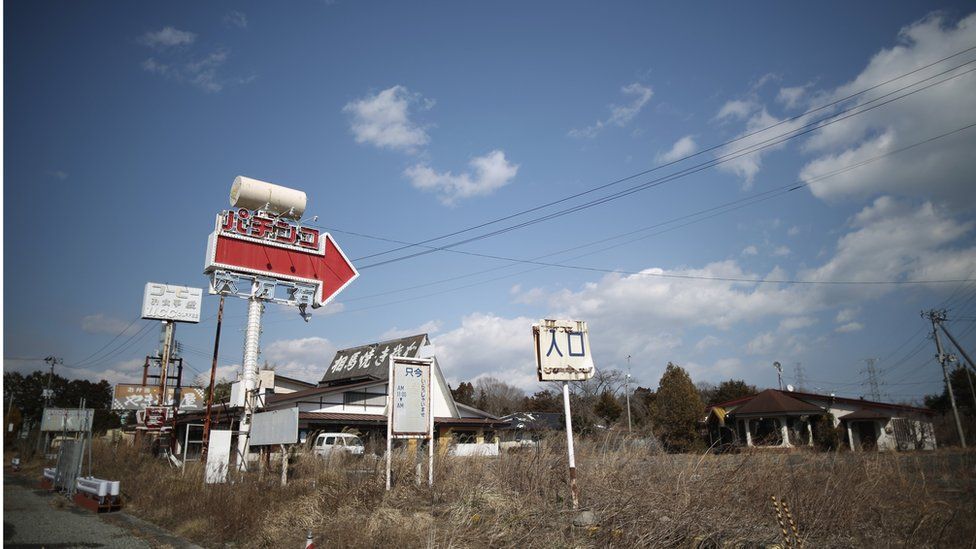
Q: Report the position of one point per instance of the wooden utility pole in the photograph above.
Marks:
(213, 375)
(937, 317)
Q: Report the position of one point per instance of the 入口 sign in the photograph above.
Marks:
(562, 350)
(168, 302)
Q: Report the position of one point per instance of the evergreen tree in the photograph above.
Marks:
(607, 407)
(464, 393)
(677, 410)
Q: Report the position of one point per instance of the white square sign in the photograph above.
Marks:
(410, 396)
(562, 350)
(168, 302)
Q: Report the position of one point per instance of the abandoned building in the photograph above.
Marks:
(784, 419)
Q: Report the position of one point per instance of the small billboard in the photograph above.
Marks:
(410, 396)
(67, 419)
(275, 427)
(132, 396)
(562, 350)
(169, 302)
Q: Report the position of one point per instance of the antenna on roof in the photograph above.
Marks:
(779, 373)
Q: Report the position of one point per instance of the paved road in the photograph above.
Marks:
(32, 518)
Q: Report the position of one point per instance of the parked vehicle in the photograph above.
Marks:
(332, 444)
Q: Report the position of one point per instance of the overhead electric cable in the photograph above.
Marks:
(771, 142)
(681, 159)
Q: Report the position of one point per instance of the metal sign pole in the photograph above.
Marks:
(389, 423)
(569, 446)
(252, 338)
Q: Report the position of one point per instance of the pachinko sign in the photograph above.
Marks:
(257, 243)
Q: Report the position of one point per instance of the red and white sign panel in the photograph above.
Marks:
(154, 418)
(251, 243)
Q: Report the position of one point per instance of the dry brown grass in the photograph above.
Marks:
(921, 499)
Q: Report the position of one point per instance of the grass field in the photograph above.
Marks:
(918, 499)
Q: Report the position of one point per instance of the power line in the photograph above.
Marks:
(770, 142)
(671, 163)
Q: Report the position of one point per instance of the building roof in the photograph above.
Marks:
(370, 361)
(738, 406)
(380, 419)
(866, 413)
(772, 401)
(474, 410)
(311, 395)
(293, 380)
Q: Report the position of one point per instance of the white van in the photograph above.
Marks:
(330, 444)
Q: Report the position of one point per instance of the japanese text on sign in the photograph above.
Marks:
(168, 302)
(411, 413)
(263, 227)
(563, 350)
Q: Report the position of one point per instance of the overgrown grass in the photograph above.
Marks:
(919, 499)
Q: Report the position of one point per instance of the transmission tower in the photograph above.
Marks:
(800, 377)
(874, 385)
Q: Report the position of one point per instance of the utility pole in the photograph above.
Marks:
(801, 378)
(627, 392)
(52, 360)
(965, 355)
(872, 382)
(937, 317)
(779, 373)
(213, 375)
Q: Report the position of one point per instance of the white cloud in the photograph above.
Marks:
(781, 251)
(503, 344)
(761, 344)
(102, 324)
(849, 327)
(303, 358)
(683, 147)
(744, 157)
(794, 230)
(429, 327)
(847, 315)
(168, 37)
(235, 18)
(790, 97)
(736, 109)
(620, 115)
(488, 174)
(750, 250)
(202, 72)
(940, 170)
(707, 342)
(796, 323)
(383, 120)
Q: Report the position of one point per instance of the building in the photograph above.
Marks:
(352, 396)
(784, 419)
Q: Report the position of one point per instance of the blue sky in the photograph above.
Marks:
(125, 125)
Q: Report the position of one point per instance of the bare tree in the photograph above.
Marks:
(497, 397)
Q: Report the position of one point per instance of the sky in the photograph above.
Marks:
(714, 185)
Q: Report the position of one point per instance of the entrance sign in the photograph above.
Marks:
(409, 413)
(562, 350)
(562, 353)
(132, 396)
(154, 417)
(258, 244)
(410, 384)
(169, 302)
(276, 427)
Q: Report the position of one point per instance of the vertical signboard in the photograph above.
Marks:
(409, 410)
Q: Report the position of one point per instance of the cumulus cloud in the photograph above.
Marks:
(620, 115)
(168, 37)
(750, 250)
(384, 119)
(791, 96)
(706, 343)
(681, 148)
(486, 344)
(846, 315)
(849, 327)
(303, 358)
(796, 323)
(488, 173)
(781, 251)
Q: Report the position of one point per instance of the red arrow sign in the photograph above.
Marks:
(257, 248)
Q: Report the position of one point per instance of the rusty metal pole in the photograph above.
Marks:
(213, 375)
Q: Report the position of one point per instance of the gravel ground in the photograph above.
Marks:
(35, 518)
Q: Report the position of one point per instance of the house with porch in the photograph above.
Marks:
(785, 419)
